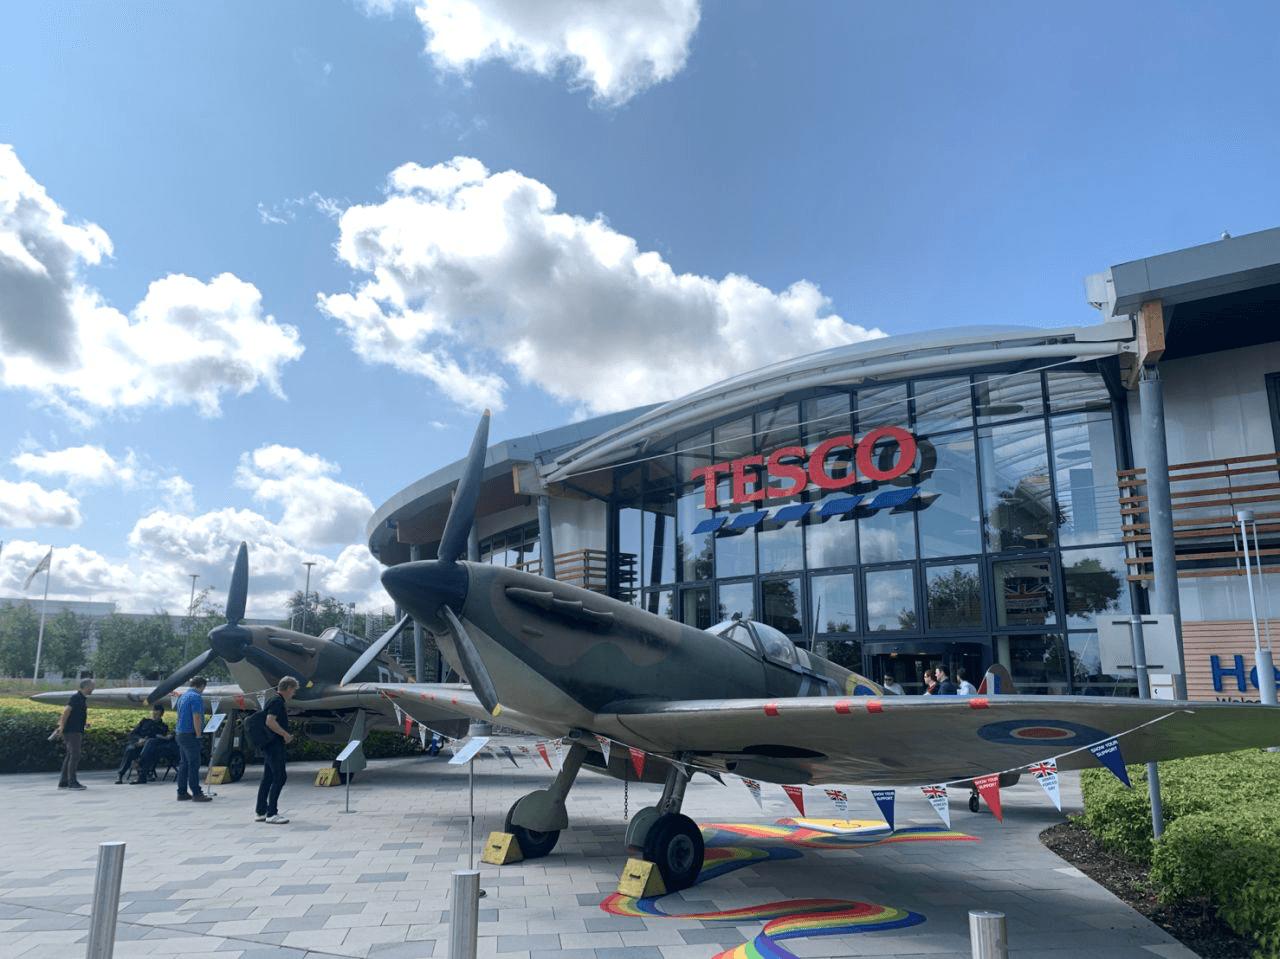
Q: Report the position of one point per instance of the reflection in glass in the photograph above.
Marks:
(696, 607)
(887, 535)
(693, 552)
(734, 439)
(628, 559)
(1087, 678)
(844, 652)
(949, 514)
(1000, 396)
(833, 604)
(1037, 663)
(1077, 390)
(891, 600)
(882, 406)
(736, 599)
(660, 603)
(659, 530)
(1095, 584)
(693, 453)
(781, 546)
(1084, 456)
(781, 601)
(736, 552)
(1024, 593)
(942, 404)
(954, 596)
(778, 428)
(825, 416)
(1021, 512)
(830, 540)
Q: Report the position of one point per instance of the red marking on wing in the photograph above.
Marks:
(771, 709)
(979, 704)
(875, 706)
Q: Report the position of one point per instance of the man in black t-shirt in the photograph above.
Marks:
(71, 731)
(153, 727)
(271, 736)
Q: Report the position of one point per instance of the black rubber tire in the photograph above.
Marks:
(235, 765)
(533, 844)
(973, 803)
(674, 845)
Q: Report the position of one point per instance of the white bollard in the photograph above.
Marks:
(106, 901)
(987, 934)
(464, 914)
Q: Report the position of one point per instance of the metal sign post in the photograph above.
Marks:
(1144, 692)
(467, 754)
(345, 769)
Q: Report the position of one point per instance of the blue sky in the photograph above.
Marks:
(261, 264)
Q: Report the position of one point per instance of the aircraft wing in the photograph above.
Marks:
(134, 697)
(922, 740)
(431, 701)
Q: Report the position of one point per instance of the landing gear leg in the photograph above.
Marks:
(666, 837)
(974, 805)
(536, 819)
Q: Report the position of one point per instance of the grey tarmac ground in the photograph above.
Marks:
(207, 879)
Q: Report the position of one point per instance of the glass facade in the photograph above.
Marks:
(998, 542)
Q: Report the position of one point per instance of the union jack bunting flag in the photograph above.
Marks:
(934, 792)
(1040, 770)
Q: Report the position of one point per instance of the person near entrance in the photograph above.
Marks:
(963, 686)
(892, 685)
(945, 686)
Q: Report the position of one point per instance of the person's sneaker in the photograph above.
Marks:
(203, 797)
(276, 820)
(76, 786)
(261, 817)
(184, 797)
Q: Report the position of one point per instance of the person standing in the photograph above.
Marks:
(272, 733)
(190, 728)
(71, 731)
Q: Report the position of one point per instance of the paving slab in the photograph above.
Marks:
(366, 871)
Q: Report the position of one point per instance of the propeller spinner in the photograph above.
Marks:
(231, 641)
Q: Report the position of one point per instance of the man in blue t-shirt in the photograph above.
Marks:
(190, 727)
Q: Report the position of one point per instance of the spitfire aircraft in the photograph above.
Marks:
(740, 697)
(334, 704)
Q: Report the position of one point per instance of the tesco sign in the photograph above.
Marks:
(796, 467)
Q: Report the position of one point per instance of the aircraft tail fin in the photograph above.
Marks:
(997, 682)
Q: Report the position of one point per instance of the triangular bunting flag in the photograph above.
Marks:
(884, 799)
(408, 725)
(1108, 754)
(1046, 774)
(637, 760)
(506, 751)
(840, 799)
(754, 788)
(214, 709)
(399, 713)
(604, 748)
(797, 796)
(422, 736)
(542, 751)
(174, 697)
(989, 789)
(937, 796)
(559, 753)
(262, 700)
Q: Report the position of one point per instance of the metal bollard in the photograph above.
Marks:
(106, 901)
(987, 934)
(464, 914)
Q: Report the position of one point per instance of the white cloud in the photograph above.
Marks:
(616, 48)
(462, 264)
(186, 342)
(81, 464)
(29, 506)
(179, 495)
(317, 509)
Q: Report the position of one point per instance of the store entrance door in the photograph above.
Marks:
(906, 663)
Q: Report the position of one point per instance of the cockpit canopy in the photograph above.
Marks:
(759, 637)
(341, 637)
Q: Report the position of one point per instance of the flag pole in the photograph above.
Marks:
(44, 605)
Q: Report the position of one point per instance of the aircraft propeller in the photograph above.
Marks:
(439, 587)
(370, 654)
(231, 641)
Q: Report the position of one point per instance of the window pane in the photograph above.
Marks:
(950, 524)
(778, 428)
(825, 416)
(942, 404)
(1077, 390)
(693, 552)
(954, 595)
(736, 599)
(891, 600)
(693, 453)
(830, 540)
(882, 406)
(781, 601)
(660, 603)
(1095, 584)
(1088, 678)
(887, 535)
(696, 607)
(1001, 396)
(659, 531)
(833, 604)
(736, 552)
(1084, 458)
(1021, 513)
(1037, 663)
(781, 546)
(1024, 593)
(734, 439)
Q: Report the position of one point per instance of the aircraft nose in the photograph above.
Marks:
(422, 588)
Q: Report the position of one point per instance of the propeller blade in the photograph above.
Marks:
(472, 664)
(457, 527)
(181, 676)
(271, 665)
(238, 592)
(370, 654)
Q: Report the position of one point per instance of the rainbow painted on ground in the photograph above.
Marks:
(791, 918)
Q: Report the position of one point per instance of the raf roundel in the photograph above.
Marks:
(1048, 732)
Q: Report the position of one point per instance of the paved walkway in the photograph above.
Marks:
(208, 879)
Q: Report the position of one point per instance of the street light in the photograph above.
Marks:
(306, 594)
(191, 616)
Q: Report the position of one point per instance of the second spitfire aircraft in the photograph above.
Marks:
(740, 697)
(334, 704)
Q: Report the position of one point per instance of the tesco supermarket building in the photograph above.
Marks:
(967, 496)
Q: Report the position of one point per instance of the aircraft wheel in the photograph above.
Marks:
(533, 844)
(674, 844)
(973, 802)
(235, 765)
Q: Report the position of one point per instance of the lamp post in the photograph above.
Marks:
(306, 594)
(191, 616)
(1262, 660)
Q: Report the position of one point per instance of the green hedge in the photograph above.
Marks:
(1221, 838)
(25, 748)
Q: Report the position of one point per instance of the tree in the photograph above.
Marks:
(65, 641)
(322, 613)
(19, 627)
(146, 647)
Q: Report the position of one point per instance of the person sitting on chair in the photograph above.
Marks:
(139, 736)
(158, 749)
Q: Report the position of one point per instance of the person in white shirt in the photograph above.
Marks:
(963, 686)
